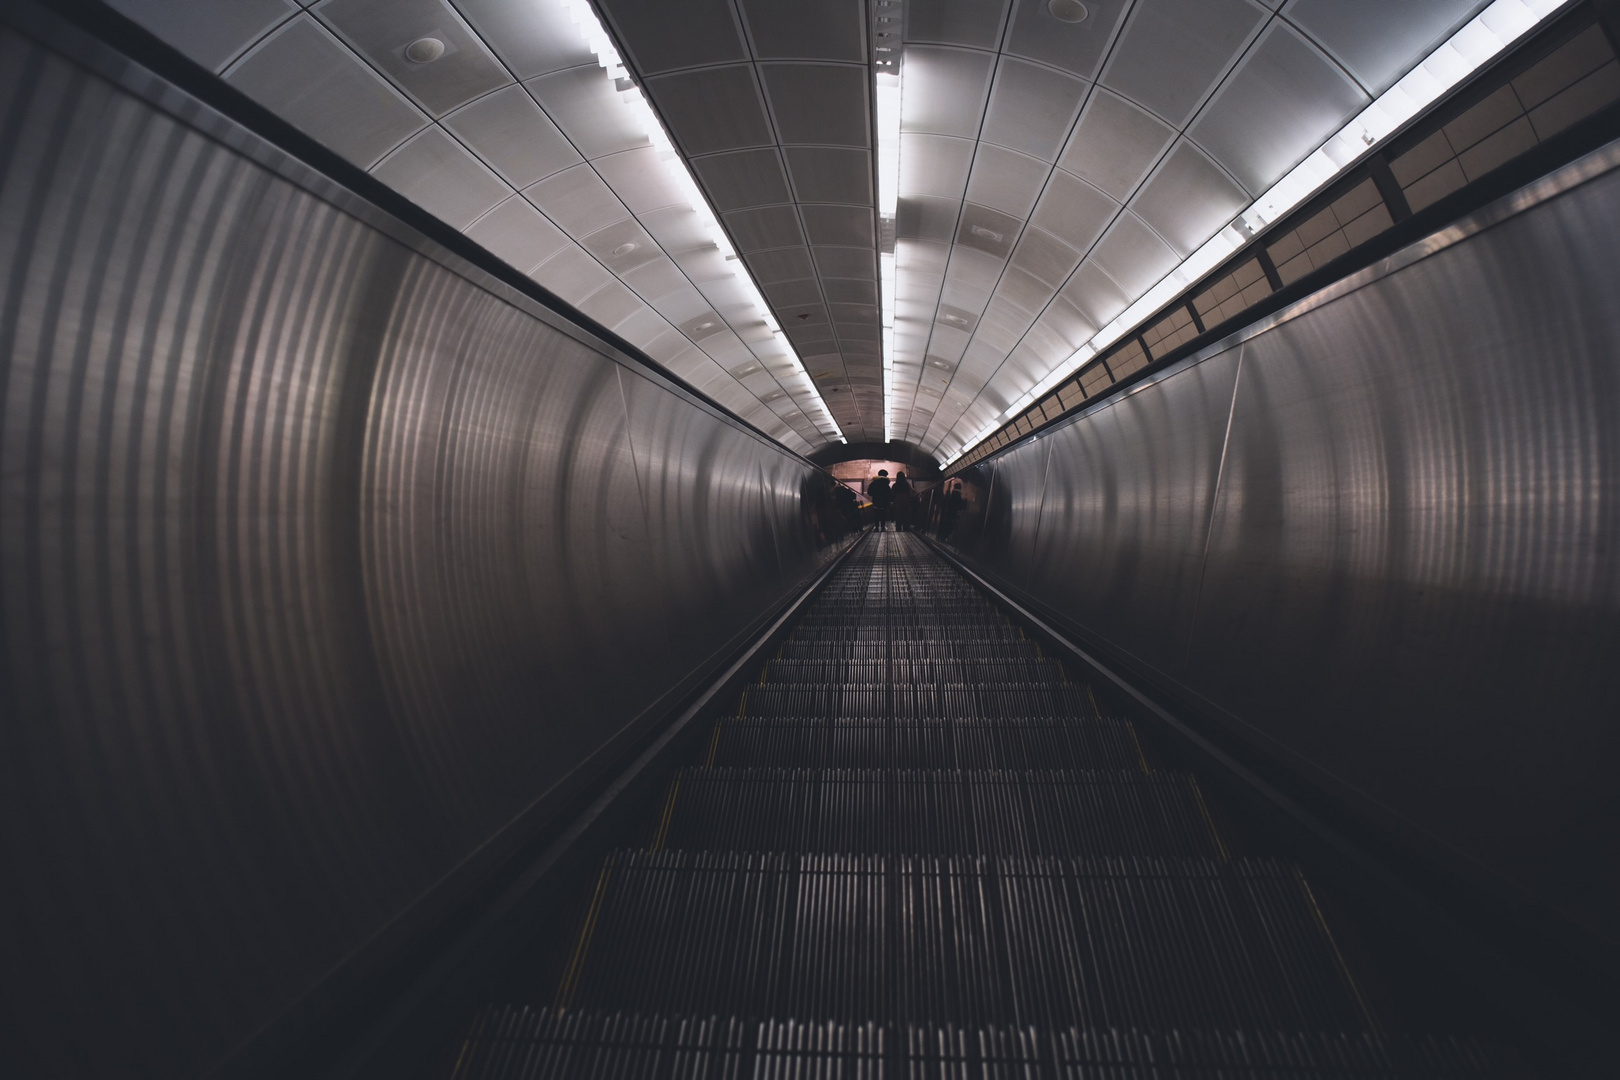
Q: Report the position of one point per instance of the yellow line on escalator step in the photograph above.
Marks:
(576, 963)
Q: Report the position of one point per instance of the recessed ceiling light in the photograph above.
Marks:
(988, 234)
(704, 325)
(626, 248)
(1069, 11)
(424, 50)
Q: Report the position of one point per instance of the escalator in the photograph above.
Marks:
(919, 846)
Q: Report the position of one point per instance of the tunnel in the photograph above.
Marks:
(875, 538)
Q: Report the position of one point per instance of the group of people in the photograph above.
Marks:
(895, 501)
(892, 501)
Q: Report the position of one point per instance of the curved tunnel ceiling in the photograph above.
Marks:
(1050, 170)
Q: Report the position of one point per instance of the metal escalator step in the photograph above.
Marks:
(1008, 743)
(811, 700)
(908, 671)
(945, 649)
(515, 1042)
(1127, 942)
(946, 811)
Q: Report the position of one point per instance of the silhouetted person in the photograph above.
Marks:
(882, 496)
(949, 507)
(849, 504)
(901, 493)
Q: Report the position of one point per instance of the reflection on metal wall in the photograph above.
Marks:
(321, 561)
(1379, 533)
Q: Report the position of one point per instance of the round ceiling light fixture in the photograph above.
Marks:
(424, 50)
(986, 234)
(626, 248)
(1069, 11)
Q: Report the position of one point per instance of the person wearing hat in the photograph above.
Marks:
(882, 496)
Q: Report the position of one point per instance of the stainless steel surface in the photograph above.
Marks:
(1399, 576)
(324, 558)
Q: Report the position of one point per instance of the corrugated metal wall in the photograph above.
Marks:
(1378, 536)
(323, 558)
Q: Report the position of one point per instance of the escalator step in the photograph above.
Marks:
(521, 1043)
(1013, 743)
(988, 812)
(1129, 942)
(944, 649)
(1003, 700)
(962, 669)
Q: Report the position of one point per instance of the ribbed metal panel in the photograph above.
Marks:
(323, 558)
(1376, 530)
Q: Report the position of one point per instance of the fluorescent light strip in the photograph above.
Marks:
(888, 140)
(590, 30)
(1470, 48)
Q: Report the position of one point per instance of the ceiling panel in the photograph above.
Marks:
(713, 109)
(744, 178)
(847, 262)
(946, 90)
(1115, 144)
(1067, 322)
(530, 38)
(1376, 39)
(310, 79)
(513, 136)
(657, 281)
(663, 36)
(828, 175)
(381, 29)
(1046, 257)
(518, 234)
(1073, 211)
(1276, 108)
(1025, 292)
(987, 230)
(1006, 180)
(806, 29)
(819, 104)
(1172, 51)
(1095, 295)
(850, 291)
(1032, 108)
(586, 107)
(783, 264)
(571, 273)
(846, 226)
(934, 165)
(441, 176)
(1133, 255)
(1075, 46)
(622, 246)
(611, 304)
(977, 24)
(640, 180)
(213, 39)
(1189, 198)
(927, 219)
(767, 227)
(578, 200)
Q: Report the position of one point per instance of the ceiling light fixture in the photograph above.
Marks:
(1069, 11)
(1464, 52)
(424, 50)
(583, 16)
(888, 92)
